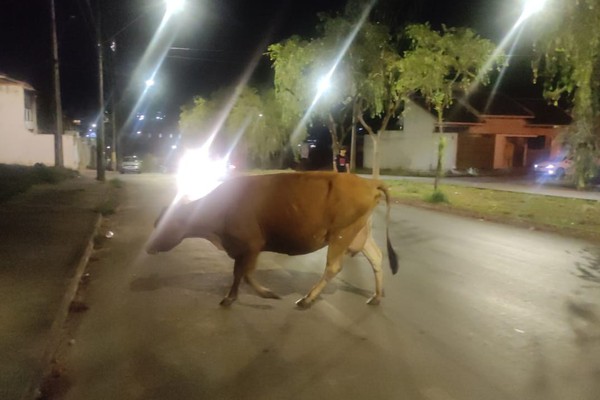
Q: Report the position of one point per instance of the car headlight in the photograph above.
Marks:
(199, 174)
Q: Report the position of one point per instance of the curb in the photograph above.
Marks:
(33, 391)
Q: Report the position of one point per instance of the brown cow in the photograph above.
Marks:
(288, 213)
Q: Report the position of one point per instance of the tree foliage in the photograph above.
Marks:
(292, 59)
(568, 62)
(252, 126)
(441, 64)
(299, 66)
(355, 52)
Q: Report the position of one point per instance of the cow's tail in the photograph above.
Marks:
(390, 250)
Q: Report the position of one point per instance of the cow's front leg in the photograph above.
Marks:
(242, 264)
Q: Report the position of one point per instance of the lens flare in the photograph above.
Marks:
(199, 173)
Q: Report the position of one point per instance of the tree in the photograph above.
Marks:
(568, 62)
(439, 65)
(379, 92)
(257, 125)
(354, 53)
(299, 67)
(291, 59)
(197, 120)
(252, 126)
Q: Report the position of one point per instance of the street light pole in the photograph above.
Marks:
(116, 145)
(58, 148)
(100, 167)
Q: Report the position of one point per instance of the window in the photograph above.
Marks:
(29, 106)
(536, 143)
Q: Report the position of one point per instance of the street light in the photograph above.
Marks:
(150, 82)
(531, 7)
(324, 84)
(174, 6)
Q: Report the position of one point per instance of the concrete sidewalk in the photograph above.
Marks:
(46, 237)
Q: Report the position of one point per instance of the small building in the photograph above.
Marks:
(482, 131)
(22, 142)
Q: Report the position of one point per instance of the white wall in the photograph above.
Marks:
(414, 148)
(20, 145)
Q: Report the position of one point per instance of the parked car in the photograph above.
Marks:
(556, 167)
(131, 164)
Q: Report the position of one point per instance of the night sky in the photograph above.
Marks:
(221, 37)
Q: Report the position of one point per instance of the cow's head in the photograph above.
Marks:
(169, 228)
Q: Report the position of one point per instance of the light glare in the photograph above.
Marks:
(174, 6)
(324, 84)
(531, 7)
(198, 174)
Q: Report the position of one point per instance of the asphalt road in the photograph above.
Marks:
(477, 311)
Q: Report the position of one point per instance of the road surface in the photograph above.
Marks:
(477, 311)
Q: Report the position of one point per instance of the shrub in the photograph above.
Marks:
(437, 197)
(15, 179)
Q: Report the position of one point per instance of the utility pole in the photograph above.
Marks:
(116, 144)
(58, 148)
(100, 161)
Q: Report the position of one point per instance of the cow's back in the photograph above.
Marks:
(295, 213)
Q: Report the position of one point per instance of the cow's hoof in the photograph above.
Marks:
(304, 303)
(374, 301)
(227, 301)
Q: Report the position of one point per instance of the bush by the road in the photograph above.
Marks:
(15, 179)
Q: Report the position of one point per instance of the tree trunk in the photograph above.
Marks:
(375, 171)
(335, 145)
(440, 156)
(353, 137)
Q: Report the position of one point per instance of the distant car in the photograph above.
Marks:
(556, 167)
(131, 164)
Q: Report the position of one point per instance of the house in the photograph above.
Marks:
(482, 131)
(20, 139)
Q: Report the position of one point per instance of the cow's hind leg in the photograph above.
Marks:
(364, 242)
(339, 244)
(373, 254)
(334, 265)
